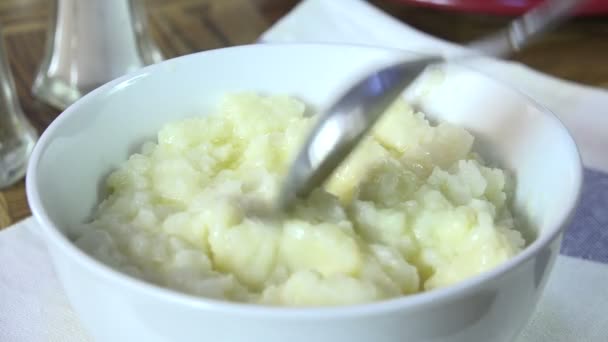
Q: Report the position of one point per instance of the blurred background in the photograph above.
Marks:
(576, 51)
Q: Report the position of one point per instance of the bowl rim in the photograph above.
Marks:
(52, 235)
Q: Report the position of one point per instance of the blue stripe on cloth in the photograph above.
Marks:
(587, 237)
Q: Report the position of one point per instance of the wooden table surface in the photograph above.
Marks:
(578, 51)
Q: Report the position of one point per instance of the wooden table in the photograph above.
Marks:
(578, 51)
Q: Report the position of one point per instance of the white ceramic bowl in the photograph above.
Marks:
(101, 130)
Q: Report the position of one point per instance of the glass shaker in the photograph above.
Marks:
(17, 136)
(89, 43)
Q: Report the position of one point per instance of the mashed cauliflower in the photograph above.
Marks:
(413, 209)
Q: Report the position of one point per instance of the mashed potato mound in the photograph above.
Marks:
(413, 209)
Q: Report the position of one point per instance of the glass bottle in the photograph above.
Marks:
(17, 136)
(90, 43)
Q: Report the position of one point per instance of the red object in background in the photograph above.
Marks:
(504, 7)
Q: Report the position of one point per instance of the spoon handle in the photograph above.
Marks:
(526, 28)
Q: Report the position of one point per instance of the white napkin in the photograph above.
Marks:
(584, 110)
(33, 306)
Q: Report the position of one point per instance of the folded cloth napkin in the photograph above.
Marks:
(33, 307)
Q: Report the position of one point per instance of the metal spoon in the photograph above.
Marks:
(340, 128)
